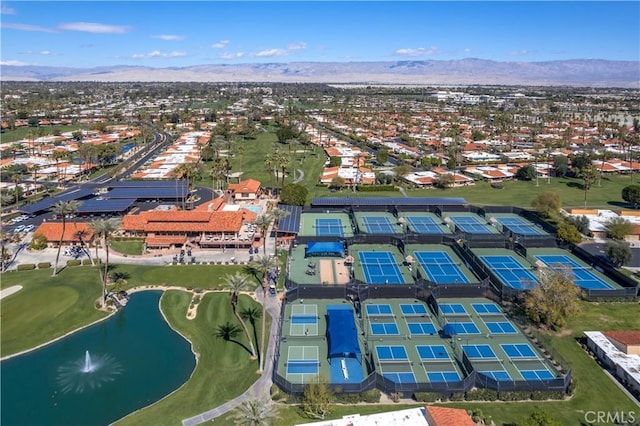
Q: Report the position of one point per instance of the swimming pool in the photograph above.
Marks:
(255, 209)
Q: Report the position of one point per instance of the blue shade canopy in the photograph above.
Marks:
(48, 202)
(325, 249)
(342, 334)
(105, 206)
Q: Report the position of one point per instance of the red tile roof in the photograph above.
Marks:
(626, 337)
(53, 230)
(249, 186)
(187, 221)
(441, 416)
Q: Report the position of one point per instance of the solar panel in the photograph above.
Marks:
(48, 202)
(171, 192)
(391, 201)
(290, 223)
(146, 184)
(102, 206)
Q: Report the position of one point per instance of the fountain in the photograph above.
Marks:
(87, 373)
(88, 366)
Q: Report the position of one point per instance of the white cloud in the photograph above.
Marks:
(169, 37)
(297, 46)
(271, 53)
(94, 27)
(45, 52)
(229, 55)
(157, 54)
(6, 10)
(26, 27)
(420, 51)
(15, 63)
(519, 52)
(220, 45)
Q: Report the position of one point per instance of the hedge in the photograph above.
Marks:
(370, 396)
(44, 265)
(376, 188)
(26, 267)
(428, 396)
(74, 262)
(483, 394)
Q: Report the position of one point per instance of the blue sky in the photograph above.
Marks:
(174, 34)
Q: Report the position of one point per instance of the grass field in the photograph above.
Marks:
(127, 247)
(23, 132)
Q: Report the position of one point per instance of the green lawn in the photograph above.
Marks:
(23, 132)
(47, 307)
(224, 369)
(133, 247)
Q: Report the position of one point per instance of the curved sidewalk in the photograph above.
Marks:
(262, 387)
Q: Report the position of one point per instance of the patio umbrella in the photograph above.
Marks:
(348, 259)
(409, 259)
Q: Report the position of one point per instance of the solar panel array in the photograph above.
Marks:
(48, 202)
(146, 184)
(105, 206)
(290, 223)
(158, 192)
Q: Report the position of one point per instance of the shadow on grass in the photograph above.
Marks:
(622, 205)
(252, 314)
(228, 332)
(253, 271)
(576, 185)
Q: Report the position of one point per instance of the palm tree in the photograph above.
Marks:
(240, 150)
(254, 412)
(277, 215)
(16, 180)
(63, 208)
(263, 222)
(104, 228)
(235, 284)
(5, 254)
(264, 264)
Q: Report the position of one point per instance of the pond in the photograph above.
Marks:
(99, 374)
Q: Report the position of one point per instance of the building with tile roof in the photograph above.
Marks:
(246, 190)
(73, 233)
(442, 416)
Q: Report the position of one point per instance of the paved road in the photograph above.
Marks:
(300, 176)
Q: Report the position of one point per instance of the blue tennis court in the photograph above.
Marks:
(536, 374)
(479, 352)
(584, 277)
(397, 377)
(392, 353)
(485, 308)
(380, 267)
(519, 226)
(511, 272)
(421, 328)
(331, 227)
(302, 367)
(384, 328)
(378, 225)
(424, 225)
(440, 267)
(413, 309)
(463, 327)
(452, 309)
(304, 319)
(432, 352)
(443, 376)
(471, 225)
(501, 327)
(519, 351)
(379, 310)
(395, 361)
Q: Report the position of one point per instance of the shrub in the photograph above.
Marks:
(348, 398)
(376, 188)
(514, 396)
(427, 396)
(74, 262)
(395, 396)
(456, 396)
(26, 267)
(481, 394)
(86, 261)
(44, 265)
(371, 396)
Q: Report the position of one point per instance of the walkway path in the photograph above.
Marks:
(403, 192)
(261, 389)
(300, 177)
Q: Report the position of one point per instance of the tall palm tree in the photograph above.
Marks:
(263, 222)
(264, 264)
(16, 180)
(277, 215)
(235, 284)
(63, 208)
(104, 228)
(240, 150)
(254, 412)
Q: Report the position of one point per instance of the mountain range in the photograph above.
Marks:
(576, 72)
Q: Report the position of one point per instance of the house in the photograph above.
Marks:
(246, 190)
(406, 417)
(203, 227)
(351, 175)
(74, 233)
(618, 351)
(443, 416)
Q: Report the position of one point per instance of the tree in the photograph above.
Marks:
(254, 412)
(335, 161)
(5, 253)
(38, 242)
(293, 194)
(235, 284)
(277, 215)
(579, 162)
(631, 194)
(540, 418)
(382, 155)
(547, 203)
(264, 264)
(618, 252)
(555, 299)
(317, 400)
(337, 182)
(445, 180)
(568, 233)
(286, 133)
(62, 209)
(618, 228)
(589, 175)
(401, 171)
(103, 229)
(527, 172)
(263, 222)
(560, 165)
